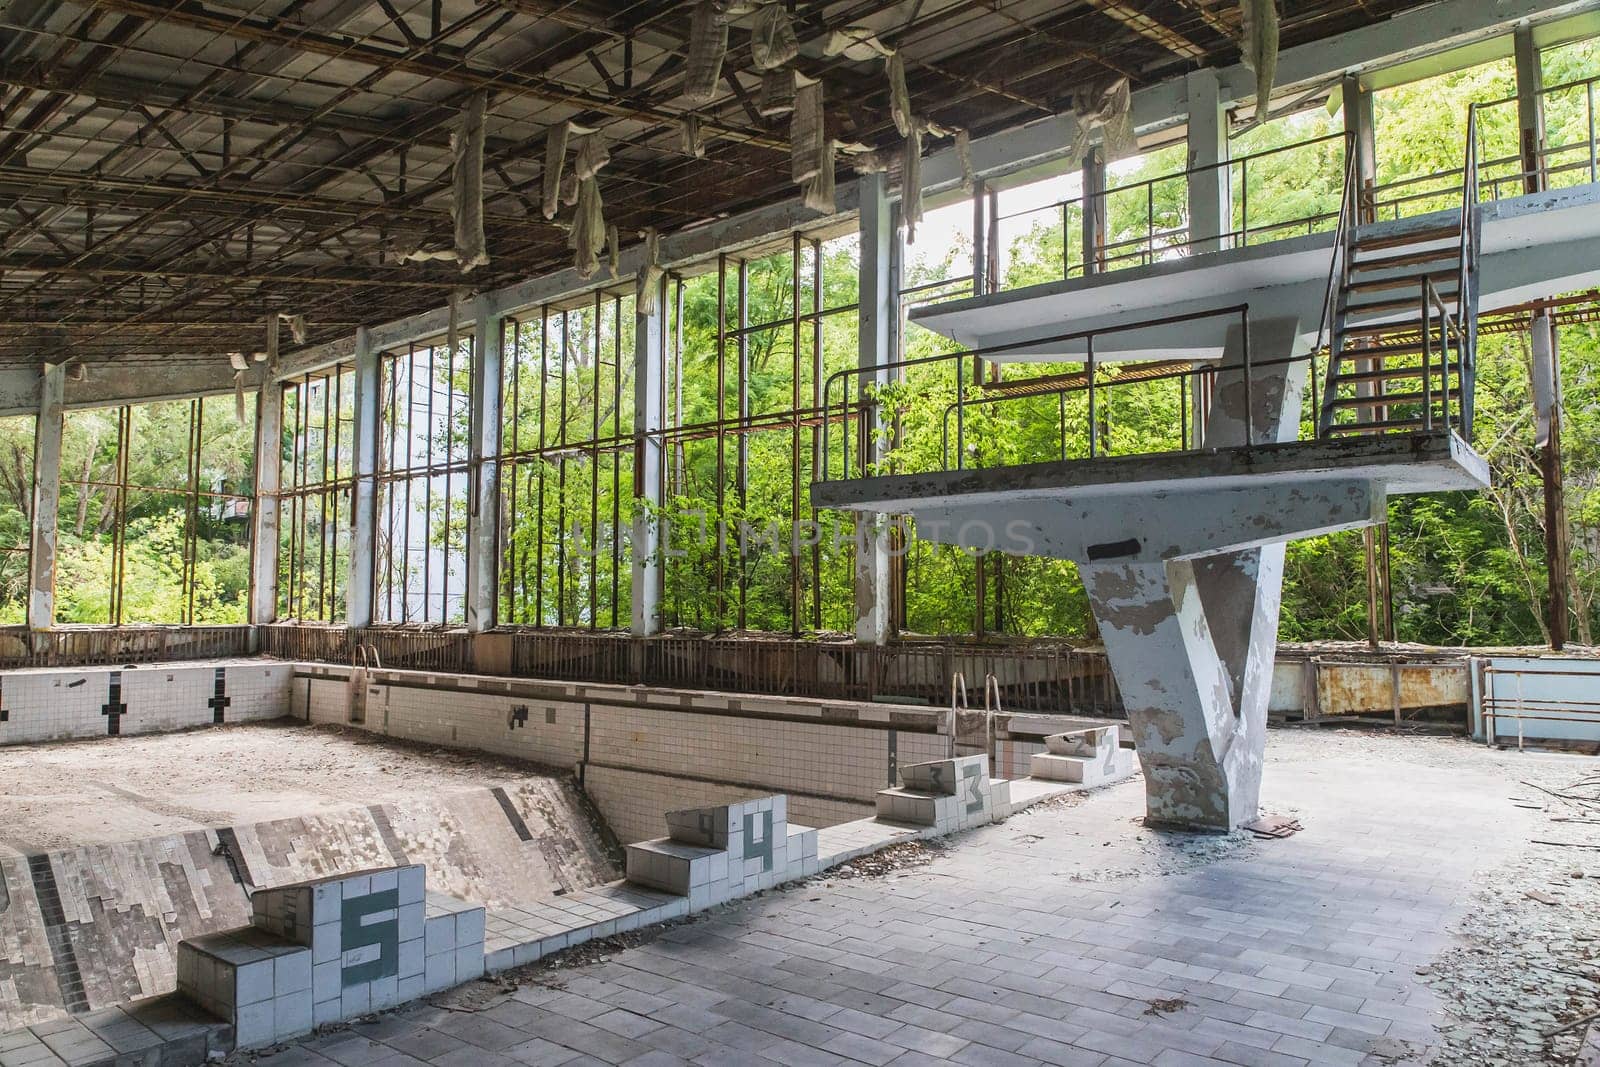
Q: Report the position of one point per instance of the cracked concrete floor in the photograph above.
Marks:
(1072, 935)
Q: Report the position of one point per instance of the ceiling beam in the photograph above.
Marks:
(91, 266)
(1149, 28)
(353, 49)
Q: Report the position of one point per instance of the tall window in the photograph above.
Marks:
(753, 344)
(16, 515)
(155, 513)
(566, 478)
(317, 464)
(423, 491)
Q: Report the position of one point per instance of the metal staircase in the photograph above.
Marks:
(1401, 324)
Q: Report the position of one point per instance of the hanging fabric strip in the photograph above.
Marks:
(613, 251)
(689, 138)
(777, 93)
(964, 156)
(555, 156)
(899, 98)
(452, 330)
(466, 203)
(297, 326)
(569, 189)
(772, 39)
(644, 299)
(708, 44)
(588, 229)
(1259, 49)
(911, 181)
(805, 132)
(1105, 109)
(817, 191)
(592, 155)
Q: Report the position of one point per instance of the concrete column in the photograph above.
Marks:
(360, 591)
(264, 514)
(876, 322)
(1358, 124)
(1191, 640)
(46, 496)
(484, 423)
(1530, 109)
(1210, 201)
(649, 398)
(1093, 224)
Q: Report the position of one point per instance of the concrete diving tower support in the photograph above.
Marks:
(1182, 556)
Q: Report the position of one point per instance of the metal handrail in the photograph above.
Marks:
(1339, 260)
(958, 359)
(1061, 392)
(1143, 248)
(1448, 328)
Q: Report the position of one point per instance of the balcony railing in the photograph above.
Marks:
(1160, 231)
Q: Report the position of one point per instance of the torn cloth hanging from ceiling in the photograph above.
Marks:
(911, 181)
(1108, 111)
(690, 140)
(466, 204)
(806, 141)
(772, 39)
(1259, 49)
(899, 98)
(777, 93)
(468, 246)
(555, 156)
(911, 173)
(644, 300)
(708, 45)
(588, 229)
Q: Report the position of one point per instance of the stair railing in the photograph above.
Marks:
(1467, 280)
(1332, 298)
(1434, 310)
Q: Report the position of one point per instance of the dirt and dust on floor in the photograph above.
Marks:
(67, 794)
(1523, 984)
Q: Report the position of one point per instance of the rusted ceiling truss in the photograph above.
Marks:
(174, 171)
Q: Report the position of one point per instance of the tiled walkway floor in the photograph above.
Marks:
(1068, 935)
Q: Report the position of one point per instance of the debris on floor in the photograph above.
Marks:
(1524, 982)
(902, 857)
(1167, 1006)
(1271, 826)
(475, 996)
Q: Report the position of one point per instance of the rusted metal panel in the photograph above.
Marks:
(1353, 688)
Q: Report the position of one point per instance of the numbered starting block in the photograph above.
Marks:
(715, 854)
(1090, 757)
(322, 951)
(946, 795)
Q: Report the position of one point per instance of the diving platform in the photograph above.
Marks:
(1181, 552)
(1531, 246)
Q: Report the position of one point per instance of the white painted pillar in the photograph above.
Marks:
(649, 414)
(264, 511)
(484, 423)
(1191, 641)
(1210, 199)
(360, 591)
(876, 320)
(46, 496)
